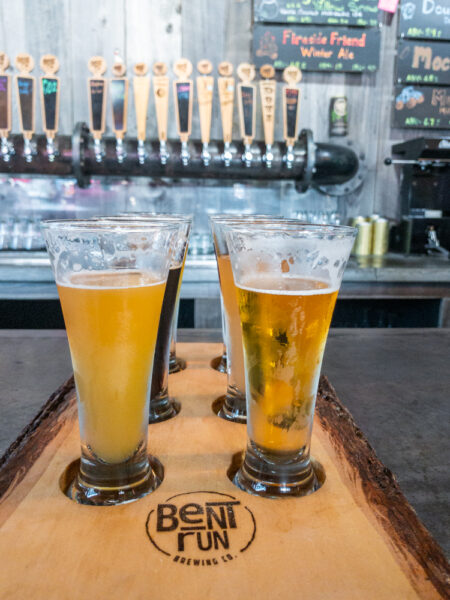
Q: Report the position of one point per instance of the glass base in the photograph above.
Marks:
(176, 364)
(219, 363)
(278, 476)
(233, 407)
(163, 410)
(77, 489)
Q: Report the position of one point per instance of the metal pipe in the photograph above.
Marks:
(76, 157)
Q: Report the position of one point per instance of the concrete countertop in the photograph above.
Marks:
(395, 382)
(27, 275)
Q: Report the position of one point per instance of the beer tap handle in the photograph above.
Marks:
(291, 110)
(205, 90)
(97, 90)
(247, 104)
(141, 90)
(119, 103)
(25, 86)
(226, 86)
(268, 91)
(161, 94)
(5, 108)
(183, 92)
(50, 92)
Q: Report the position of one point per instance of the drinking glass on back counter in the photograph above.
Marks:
(162, 406)
(287, 277)
(111, 279)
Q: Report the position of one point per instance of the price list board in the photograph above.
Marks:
(427, 19)
(315, 48)
(423, 62)
(334, 12)
(422, 107)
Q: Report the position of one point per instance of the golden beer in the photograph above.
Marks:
(285, 323)
(111, 320)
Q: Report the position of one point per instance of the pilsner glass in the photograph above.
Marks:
(111, 279)
(234, 404)
(287, 279)
(162, 406)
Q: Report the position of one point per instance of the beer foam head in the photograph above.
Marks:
(310, 252)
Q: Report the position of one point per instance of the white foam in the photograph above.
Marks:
(144, 282)
(292, 292)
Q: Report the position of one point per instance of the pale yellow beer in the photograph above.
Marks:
(285, 323)
(112, 321)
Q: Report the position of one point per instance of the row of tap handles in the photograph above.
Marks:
(183, 90)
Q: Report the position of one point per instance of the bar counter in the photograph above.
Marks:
(394, 382)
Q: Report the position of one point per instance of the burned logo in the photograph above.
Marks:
(201, 528)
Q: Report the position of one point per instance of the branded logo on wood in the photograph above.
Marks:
(201, 529)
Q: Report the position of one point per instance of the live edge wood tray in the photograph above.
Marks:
(355, 538)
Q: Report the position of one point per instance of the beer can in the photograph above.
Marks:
(355, 220)
(363, 242)
(338, 117)
(380, 237)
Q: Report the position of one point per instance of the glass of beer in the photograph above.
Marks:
(233, 407)
(111, 279)
(162, 406)
(287, 278)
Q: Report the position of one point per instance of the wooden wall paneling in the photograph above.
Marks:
(217, 31)
(153, 33)
(97, 29)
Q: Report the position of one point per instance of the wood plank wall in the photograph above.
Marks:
(150, 30)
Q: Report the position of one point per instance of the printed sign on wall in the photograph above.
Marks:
(423, 62)
(422, 106)
(332, 12)
(428, 19)
(313, 48)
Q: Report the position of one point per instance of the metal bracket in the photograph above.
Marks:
(306, 138)
(80, 141)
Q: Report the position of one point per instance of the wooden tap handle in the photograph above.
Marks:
(161, 94)
(25, 87)
(183, 107)
(5, 96)
(50, 94)
(205, 90)
(268, 91)
(291, 112)
(97, 91)
(226, 96)
(119, 104)
(141, 91)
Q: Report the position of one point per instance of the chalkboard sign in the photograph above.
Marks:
(312, 48)
(50, 89)
(428, 19)
(5, 93)
(332, 12)
(292, 98)
(423, 62)
(97, 95)
(422, 106)
(118, 92)
(184, 99)
(25, 86)
(248, 102)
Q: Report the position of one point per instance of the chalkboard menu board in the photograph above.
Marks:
(247, 99)
(332, 12)
(428, 19)
(424, 107)
(117, 89)
(97, 87)
(313, 48)
(50, 95)
(4, 94)
(423, 62)
(292, 98)
(26, 91)
(183, 97)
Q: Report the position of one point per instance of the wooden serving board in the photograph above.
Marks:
(355, 538)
